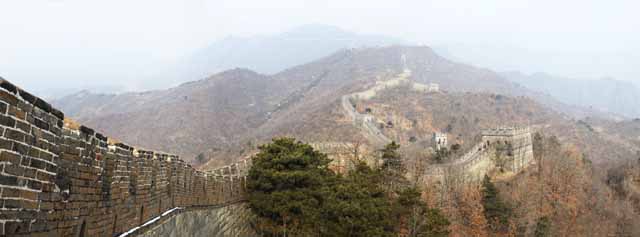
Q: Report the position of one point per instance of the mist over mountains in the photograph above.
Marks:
(275, 86)
(269, 54)
(273, 53)
(225, 109)
(231, 108)
(319, 118)
(266, 96)
(606, 95)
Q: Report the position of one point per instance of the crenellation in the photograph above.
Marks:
(480, 159)
(59, 179)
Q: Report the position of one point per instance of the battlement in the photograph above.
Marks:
(440, 140)
(506, 131)
(58, 178)
(431, 87)
(479, 160)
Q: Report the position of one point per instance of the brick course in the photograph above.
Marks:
(64, 181)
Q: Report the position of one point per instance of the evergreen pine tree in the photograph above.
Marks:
(496, 211)
(393, 168)
(420, 220)
(286, 187)
(358, 206)
(543, 227)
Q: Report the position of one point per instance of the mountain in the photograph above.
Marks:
(270, 54)
(188, 119)
(219, 111)
(606, 95)
(225, 115)
(273, 53)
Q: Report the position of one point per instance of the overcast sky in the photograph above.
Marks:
(87, 43)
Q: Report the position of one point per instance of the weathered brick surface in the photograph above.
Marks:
(60, 181)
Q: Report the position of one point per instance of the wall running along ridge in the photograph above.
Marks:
(367, 122)
(483, 157)
(57, 180)
(470, 167)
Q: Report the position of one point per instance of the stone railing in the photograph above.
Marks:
(59, 180)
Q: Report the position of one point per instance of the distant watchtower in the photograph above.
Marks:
(440, 140)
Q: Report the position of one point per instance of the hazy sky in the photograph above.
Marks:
(87, 43)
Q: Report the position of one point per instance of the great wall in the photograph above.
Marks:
(470, 167)
(61, 180)
(484, 157)
(368, 123)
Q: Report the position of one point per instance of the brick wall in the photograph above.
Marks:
(480, 159)
(66, 181)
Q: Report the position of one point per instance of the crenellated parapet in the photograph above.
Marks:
(59, 179)
(507, 148)
(505, 131)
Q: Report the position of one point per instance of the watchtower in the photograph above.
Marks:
(440, 140)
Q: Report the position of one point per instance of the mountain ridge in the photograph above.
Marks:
(606, 95)
(224, 113)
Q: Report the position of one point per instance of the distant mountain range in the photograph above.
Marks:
(269, 54)
(225, 108)
(234, 108)
(605, 95)
(225, 113)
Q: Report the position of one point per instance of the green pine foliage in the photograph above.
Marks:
(358, 206)
(286, 187)
(496, 211)
(543, 227)
(391, 159)
(293, 193)
(393, 168)
(420, 220)
(442, 155)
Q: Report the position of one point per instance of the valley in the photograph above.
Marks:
(319, 118)
(351, 104)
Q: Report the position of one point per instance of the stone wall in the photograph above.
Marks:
(59, 180)
(229, 220)
(511, 148)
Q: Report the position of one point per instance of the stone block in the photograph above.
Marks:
(58, 114)
(27, 96)
(23, 126)
(10, 192)
(41, 124)
(17, 113)
(3, 108)
(7, 121)
(15, 135)
(14, 169)
(12, 228)
(46, 107)
(8, 86)
(29, 173)
(8, 180)
(20, 148)
(36, 185)
(8, 98)
(38, 164)
(9, 157)
(87, 131)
